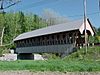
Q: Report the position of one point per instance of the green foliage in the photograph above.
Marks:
(17, 23)
(98, 31)
(96, 40)
(21, 22)
(3, 50)
(50, 56)
(93, 39)
(93, 53)
(51, 65)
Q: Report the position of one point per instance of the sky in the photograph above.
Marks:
(72, 9)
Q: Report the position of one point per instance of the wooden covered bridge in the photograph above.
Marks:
(61, 38)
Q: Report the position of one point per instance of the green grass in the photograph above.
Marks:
(51, 65)
(93, 54)
(72, 63)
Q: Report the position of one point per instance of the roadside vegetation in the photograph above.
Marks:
(76, 62)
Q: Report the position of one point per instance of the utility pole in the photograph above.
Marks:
(85, 19)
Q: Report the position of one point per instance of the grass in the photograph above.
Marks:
(72, 63)
(51, 65)
(93, 54)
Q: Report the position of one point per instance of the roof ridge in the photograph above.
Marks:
(51, 29)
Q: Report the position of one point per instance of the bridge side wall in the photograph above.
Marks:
(46, 49)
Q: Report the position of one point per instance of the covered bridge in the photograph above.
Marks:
(61, 38)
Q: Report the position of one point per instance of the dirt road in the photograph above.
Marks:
(46, 73)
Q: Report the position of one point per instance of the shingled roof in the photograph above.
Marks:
(69, 26)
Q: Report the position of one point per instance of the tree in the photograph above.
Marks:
(17, 23)
(98, 34)
(53, 18)
(2, 28)
(4, 4)
(98, 31)
(22, 22)
(96, 38)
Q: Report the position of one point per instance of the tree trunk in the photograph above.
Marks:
(2, 36)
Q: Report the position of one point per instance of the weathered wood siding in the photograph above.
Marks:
(68, 48)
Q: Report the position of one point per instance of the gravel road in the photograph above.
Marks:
(46, 73)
